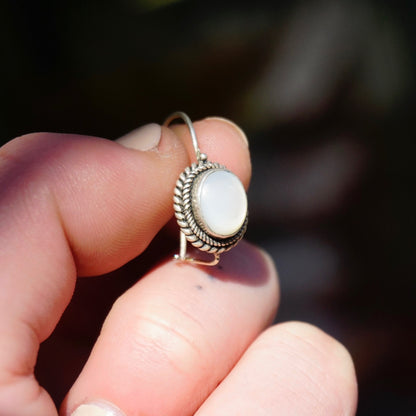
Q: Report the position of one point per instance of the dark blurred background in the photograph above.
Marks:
(325, 91)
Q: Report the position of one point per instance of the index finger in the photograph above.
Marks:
(75, 204)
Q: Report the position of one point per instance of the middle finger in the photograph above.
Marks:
(171, 338)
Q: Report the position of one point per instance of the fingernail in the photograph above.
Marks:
(233, 125)
(144, 138)
(97, 409)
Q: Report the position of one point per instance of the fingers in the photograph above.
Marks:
(75, 204)
(173, 337)
(291, 369)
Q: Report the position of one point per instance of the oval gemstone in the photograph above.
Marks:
(220, 203)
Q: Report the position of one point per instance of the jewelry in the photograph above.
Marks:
(210, 204)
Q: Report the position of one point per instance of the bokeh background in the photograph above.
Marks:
(325, 91)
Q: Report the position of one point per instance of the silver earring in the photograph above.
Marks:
(210, 204)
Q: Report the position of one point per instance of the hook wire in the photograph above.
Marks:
(200, 157)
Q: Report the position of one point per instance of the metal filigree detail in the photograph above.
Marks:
(182, 204)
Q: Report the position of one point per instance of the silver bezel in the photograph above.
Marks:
(192, 227)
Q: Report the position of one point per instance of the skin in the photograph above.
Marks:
(183, 340)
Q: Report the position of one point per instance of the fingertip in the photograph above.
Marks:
(222, 141)
(250, 265)
(225, 141)
(336, 377)
(328, 345)
(144, 138)
(234, 127)
(291, 368)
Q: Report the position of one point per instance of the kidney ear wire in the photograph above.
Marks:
(210, 204)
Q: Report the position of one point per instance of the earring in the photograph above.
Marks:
(210, 204)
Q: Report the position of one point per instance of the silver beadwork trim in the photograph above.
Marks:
(182, 204)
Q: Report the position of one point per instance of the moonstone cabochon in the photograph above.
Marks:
(219, 202)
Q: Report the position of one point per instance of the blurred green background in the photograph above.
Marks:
(325, 91)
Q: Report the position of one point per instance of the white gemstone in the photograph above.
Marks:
(220, 202)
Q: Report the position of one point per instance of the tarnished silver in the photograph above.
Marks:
(192, 227)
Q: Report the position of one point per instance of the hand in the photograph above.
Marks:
(183, 340)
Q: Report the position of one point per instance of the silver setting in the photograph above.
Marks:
(192, 227)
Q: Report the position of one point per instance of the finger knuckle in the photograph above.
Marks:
(154, 337)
